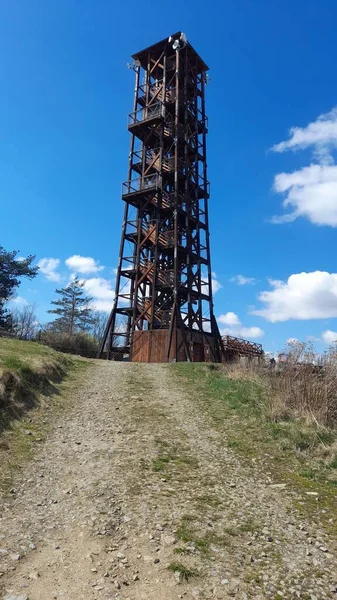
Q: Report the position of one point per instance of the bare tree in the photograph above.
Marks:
(100, 320)
(98, 328)
(24, 322)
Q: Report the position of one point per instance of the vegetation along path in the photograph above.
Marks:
(136, 493)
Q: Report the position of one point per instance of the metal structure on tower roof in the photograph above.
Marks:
(163, 307)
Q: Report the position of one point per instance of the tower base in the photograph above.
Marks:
(156, 347)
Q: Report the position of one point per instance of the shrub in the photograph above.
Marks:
(306, 385)
(303, 385)
(77, 343)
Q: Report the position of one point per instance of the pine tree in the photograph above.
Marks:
(11, 270)
(73, 309)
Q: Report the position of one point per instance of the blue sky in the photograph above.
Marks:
(66, 92)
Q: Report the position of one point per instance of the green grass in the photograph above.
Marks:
(27, 369)
(191, 531)
(246, 402)
(35, 383)
(185, 572)
(11, 348)
(292, 450)
(180, 550)
(172, 458)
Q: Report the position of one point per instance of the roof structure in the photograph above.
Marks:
(142, 55)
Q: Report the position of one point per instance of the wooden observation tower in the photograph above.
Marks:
(163, 308)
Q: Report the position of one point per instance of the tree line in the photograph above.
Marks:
(77, 327)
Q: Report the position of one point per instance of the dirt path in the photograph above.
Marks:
(134, 491)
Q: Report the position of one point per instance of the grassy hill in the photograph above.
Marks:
(262, 425)
(27, 369)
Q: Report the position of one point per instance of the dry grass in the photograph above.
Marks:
(285, 416)
(304, 386)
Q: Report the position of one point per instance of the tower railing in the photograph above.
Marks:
(145, 114)
(140, 183)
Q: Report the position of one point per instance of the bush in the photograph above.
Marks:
(302, 385)
(77, 343)
(307, 389)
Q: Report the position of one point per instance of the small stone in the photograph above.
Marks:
(224, 582)
(232, 485)
(32, 546)
(120, 555)
(311, 493)
(117, 584)
(333, 589)
(15, 556)
(94, 570)
(323, 549)
(34, 575)
(177, 576)
(279, 486)
(159, 527)
(15, 597)
(135, 578)
(148, 558)
(156, 561)
(168, 540)
(3, 551)
(78, 443)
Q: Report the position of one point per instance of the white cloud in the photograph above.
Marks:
(229, 318)
(242, 280)
(216, 285)
(19, 301)
(48, 267)
(83, 264)
(329, 337)
(234, 327)
(102, 293)
(311, 193)
(102, 305)
(303, 296)
(292, 341)
(320, 134)
(249, 332)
